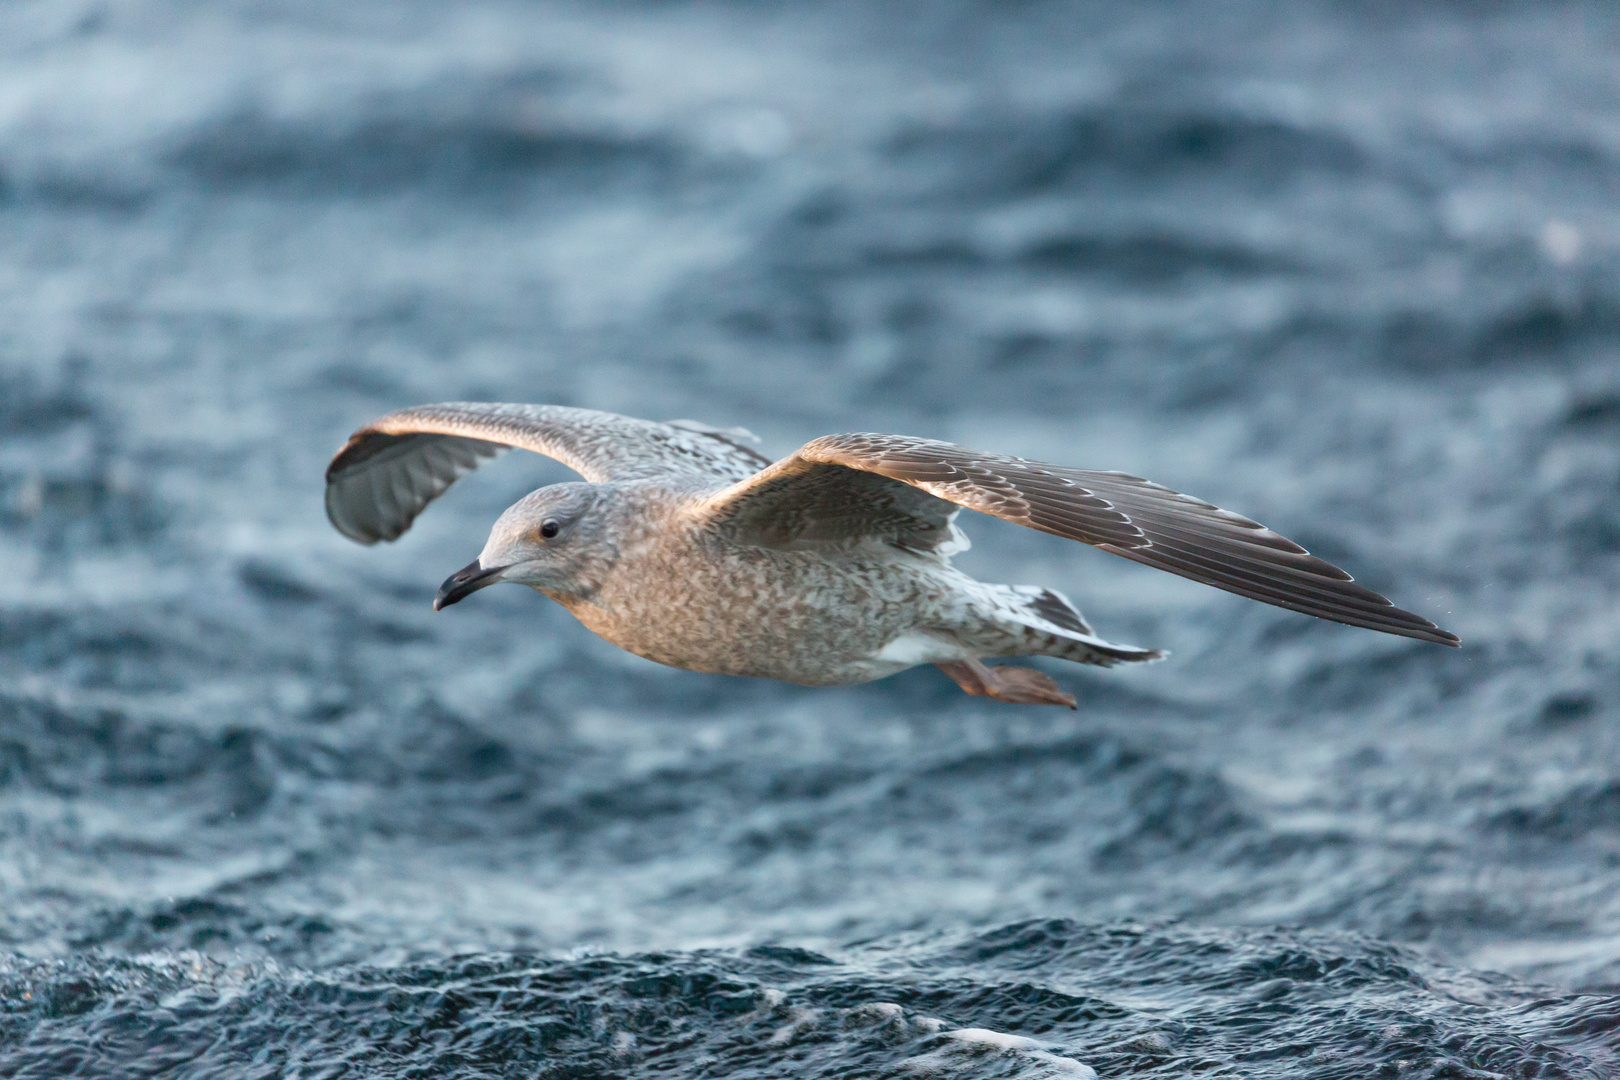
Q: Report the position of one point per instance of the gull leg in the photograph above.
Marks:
(1018, 685)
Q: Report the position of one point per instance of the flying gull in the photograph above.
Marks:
(832, 566)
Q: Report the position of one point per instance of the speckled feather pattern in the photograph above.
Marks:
(684, 596)
(830, 566)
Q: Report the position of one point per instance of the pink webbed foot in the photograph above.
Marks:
(1016, 685)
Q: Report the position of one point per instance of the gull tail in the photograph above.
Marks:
(1052, 626)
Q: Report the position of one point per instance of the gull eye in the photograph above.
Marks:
(549, 529)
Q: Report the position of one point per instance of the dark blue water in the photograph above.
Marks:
(1348, 269)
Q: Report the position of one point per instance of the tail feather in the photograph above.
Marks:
(1061, 631)
(1057, 609)
(1096, 651)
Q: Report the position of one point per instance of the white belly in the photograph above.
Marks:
(912, 648)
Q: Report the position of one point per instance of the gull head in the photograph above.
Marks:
(554, 539)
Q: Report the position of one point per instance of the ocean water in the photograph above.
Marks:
(1348, 269)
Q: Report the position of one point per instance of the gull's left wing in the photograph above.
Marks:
(904, 491)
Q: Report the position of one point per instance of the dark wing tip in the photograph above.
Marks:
(379, 481)
(343, 484)
(362, 446)
(1421, 629)
(336, 513)
(1286, 584)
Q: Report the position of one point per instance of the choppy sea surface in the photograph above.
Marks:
(1348, 269)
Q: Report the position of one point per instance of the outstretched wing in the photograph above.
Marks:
(392, 468)
(849, 486)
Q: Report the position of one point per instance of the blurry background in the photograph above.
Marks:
(1347, 269)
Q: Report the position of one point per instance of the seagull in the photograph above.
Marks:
(687, 546)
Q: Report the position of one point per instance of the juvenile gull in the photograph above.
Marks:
(831, 566)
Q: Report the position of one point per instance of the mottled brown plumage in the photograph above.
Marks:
(830, 566)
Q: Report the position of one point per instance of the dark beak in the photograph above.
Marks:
(464, 582)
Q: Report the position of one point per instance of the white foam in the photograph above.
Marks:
(981, 1040)
(987, 1037)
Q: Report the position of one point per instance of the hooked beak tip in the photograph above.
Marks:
(464, 582)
